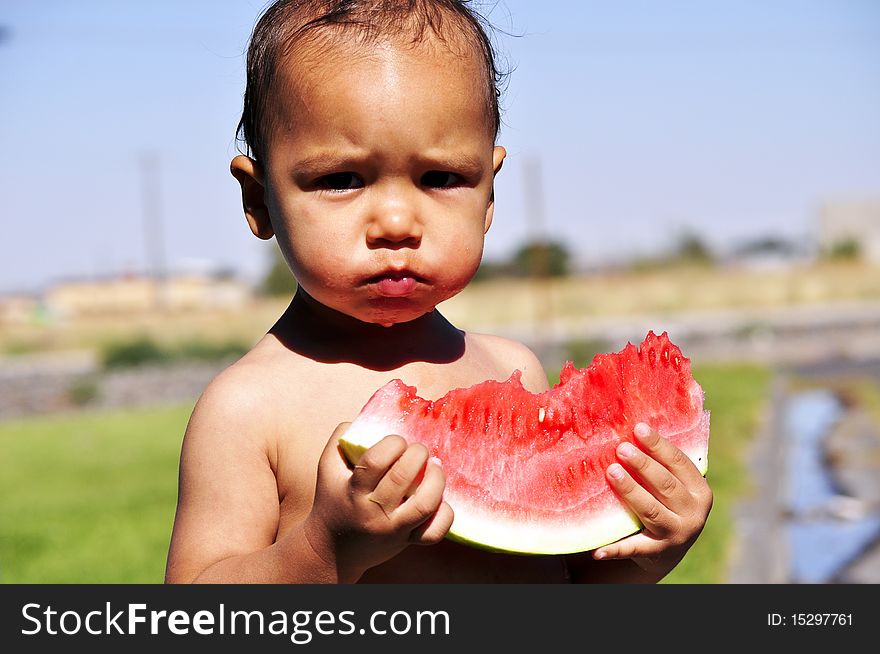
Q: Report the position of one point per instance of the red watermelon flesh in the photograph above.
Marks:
(525, 472)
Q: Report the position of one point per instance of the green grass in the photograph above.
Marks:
(89, 498)
(736, 396)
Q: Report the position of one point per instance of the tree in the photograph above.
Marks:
(690, 248)
(541, 259)
(847, 249)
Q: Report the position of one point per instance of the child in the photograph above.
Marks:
(371, 127)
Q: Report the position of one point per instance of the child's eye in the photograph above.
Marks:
(340, 182)
(441, 179)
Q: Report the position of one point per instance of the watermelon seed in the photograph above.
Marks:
(541, 414)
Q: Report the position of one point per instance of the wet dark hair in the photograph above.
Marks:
(285, 22)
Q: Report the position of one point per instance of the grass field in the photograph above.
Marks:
(90, 497)
(736, 396)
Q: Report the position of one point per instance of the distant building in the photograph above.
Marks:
(19, 309)
(769, 253)
(137, 294)
(851, 224)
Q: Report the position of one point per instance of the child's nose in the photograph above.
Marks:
(394, 221)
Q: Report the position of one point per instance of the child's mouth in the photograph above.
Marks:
(394, 283)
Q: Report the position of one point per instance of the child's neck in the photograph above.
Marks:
(318, 332)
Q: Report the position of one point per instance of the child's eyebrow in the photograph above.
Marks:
(337, 161)
(457, 162)
(328, 161)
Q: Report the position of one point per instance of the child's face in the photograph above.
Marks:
(378, 176)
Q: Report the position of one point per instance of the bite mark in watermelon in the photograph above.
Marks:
(525, 472)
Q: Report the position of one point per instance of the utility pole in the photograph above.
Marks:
(154, 242)
(539, 266)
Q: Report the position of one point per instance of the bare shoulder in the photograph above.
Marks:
(237, 397)
(227, 496)
(508, 355)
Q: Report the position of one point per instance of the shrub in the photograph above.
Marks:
(146, 351)
(133, 353)
(83, 391)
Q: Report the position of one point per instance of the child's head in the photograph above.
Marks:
(373, 125)
(288, 25)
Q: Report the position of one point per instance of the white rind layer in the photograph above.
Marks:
(485, 529)
(367, 430)
(698, 453)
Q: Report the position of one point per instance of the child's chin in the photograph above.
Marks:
(391, 320)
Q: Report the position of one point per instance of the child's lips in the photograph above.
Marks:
(395, 283)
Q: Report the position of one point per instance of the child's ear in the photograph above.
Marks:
(249, 174)
(498, 155)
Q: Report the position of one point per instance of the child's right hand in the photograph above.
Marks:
(363, 517)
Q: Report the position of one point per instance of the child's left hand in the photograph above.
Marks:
(667, 493)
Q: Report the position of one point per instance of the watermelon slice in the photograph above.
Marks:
(525, 472)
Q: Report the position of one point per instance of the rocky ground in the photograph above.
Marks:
(853, 455)
(75, 382)
(760, 555)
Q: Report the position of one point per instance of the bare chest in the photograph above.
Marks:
(328, 396)
(316, 401)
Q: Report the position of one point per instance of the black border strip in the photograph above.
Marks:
(507, 618)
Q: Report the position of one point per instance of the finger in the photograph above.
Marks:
(375, 463)
(397, 482)
(637, 545)
(661, 483)
(663, 451)
(654, 515)
(427, 498)
(435, 528)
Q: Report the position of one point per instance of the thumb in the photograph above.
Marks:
(333, 461)
(341, 428)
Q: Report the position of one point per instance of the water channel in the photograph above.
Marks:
(825, 528)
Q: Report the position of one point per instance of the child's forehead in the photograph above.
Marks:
(338, 44)
(367, 82)
(290, 60)
(306, 64)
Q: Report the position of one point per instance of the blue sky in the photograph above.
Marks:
(733, 119)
